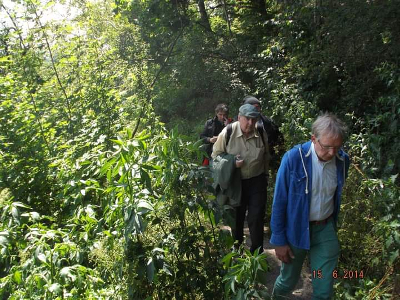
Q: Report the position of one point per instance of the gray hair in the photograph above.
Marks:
(222, 107)
(329, 124)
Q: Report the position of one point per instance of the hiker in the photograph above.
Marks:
(212, 129)
(306, 206)
(241, 151)
(275, 137)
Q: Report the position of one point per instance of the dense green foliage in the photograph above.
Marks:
(101, 192)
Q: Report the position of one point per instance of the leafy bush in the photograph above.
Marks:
(244, 277)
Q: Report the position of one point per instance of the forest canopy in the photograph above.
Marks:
(102, 192)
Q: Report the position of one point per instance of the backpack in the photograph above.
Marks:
(229, 133)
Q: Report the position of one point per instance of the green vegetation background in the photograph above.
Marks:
(102, 195)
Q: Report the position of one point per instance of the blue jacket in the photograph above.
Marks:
(292, 197)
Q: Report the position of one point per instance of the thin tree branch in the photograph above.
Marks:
(172, 46)
(38, 119)
(16, 27)
(227, 18)
(55, 71)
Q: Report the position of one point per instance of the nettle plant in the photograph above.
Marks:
(159, 210)
(245, 275)
(40, 261)
(144, 217)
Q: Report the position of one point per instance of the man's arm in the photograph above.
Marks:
(279, 212)
(279, 206)
(206, 134)
(220, 145)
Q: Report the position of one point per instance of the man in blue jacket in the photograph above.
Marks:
(306, 206)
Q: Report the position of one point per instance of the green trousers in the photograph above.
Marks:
(323, 255)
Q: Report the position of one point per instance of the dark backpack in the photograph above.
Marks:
(229, 133)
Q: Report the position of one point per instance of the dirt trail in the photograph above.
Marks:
(303, 288)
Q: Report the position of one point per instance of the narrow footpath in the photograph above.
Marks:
(303, 288)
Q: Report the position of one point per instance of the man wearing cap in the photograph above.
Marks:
(275, 137)
(252, 159)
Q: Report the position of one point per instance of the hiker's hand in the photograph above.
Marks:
(213, 139)
(238, 161)
(284, 254)
(227, 121)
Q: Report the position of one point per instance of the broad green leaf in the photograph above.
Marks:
(145, 178)
(90, 212)
(5, 59)
(227, 259)
(15, 213)
(389, 241)
(107, 166)
(151, 167)
(40, 280)
(20, 204)
(118, 142)
(393, 256)
(144, 204)
(157, 250)
(66, 272)
(35, 216)
(17, 277)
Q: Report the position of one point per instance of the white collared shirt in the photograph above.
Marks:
(324, 184)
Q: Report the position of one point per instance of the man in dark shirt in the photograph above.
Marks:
(212, 129)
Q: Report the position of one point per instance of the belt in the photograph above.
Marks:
(321, 222)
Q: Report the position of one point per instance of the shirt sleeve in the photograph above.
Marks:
(220, 145)
(205, 135)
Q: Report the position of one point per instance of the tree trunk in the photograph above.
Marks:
(260, 8)
(204, 17)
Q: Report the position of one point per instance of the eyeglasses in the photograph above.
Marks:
(329, 147)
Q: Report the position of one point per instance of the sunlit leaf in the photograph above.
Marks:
(118, 142)
(55, 288)
(15, 212)
(17, 277)
(42, 257)
(66, 272)
(4, 241)
(144, 204)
